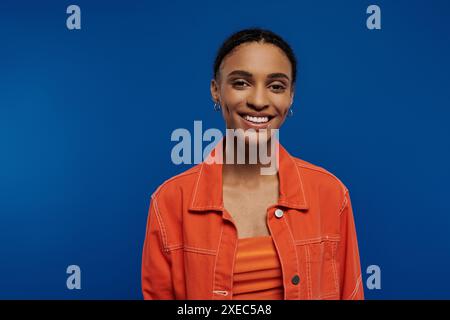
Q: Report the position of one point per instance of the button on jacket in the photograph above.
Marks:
(191, 239)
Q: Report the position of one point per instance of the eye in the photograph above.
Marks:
(240, 83)
(278, 87)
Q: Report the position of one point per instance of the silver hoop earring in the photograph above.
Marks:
(290, 112)
(217, 106)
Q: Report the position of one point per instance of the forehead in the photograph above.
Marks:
(258, 59)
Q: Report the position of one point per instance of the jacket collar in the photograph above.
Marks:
(207, 194)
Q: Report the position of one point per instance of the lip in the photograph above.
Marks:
(253, 125)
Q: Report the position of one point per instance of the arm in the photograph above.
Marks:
(351, 284)
(156, 275)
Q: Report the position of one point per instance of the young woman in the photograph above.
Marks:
(224, 230)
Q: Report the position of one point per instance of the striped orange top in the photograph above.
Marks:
(257, 270)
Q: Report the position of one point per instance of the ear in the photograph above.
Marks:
(292, 94)
(214, 88)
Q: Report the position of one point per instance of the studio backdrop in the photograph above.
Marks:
(91, 92)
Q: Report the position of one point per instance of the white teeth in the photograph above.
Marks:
(256, 119)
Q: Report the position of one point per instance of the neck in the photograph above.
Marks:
(247, 172)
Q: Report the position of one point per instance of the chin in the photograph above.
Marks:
(258, 138)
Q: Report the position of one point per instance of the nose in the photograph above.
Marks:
(258, 99)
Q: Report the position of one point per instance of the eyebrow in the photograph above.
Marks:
(248, 74)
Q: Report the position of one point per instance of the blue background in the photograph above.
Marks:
(86, 118)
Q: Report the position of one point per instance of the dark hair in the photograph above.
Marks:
(255, 35)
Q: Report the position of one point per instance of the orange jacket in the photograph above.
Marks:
(191, 239)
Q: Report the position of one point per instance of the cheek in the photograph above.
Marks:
(233, 97)
(282, 103)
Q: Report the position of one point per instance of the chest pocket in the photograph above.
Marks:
(320, 265)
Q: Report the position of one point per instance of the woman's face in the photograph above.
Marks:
(254, 88)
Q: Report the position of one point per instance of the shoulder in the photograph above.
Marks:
(170, 198)
(318, 177)
(183, 180)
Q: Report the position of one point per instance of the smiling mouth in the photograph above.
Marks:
(256, 119)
